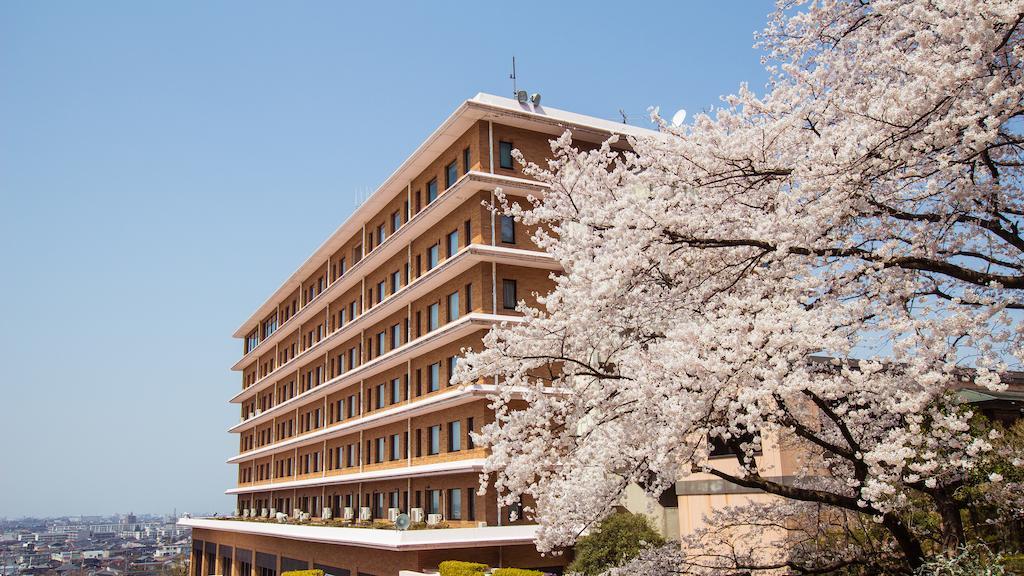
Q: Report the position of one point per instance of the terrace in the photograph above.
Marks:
(371, 535)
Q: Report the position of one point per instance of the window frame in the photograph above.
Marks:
(511, 223)
(505, 149)
(451, 174)
(452, 302)
(434, 439)
(432, 192)
(451, 243)
(433, 256)
(434, 377)
(455, 503)
(505, 283)
(455, 436)
(433, 316)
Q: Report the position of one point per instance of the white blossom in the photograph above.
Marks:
(867, 206)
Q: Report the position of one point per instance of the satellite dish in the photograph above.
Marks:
(679, 117)
(402, 522)
(522, 97)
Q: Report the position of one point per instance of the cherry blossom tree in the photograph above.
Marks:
(823, 264)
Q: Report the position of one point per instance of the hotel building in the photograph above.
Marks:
(346, 409)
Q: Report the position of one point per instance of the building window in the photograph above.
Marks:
(396, 281)
(381, 286)
(396, 447)
(396, 221)
(434, 377)
(381, 234)
(470, 504)
(380, 343)
(434, 446)
(465, 161)
(453, 306)
(451, 174)
(455, 504)
(508, 294)
(508, 229)
(433, 320)
(381, 395)
(432, 190)
(396, 336)
(252, 340)
(515, 512)
(452, 244)
(453, 362)
(379, 456)
(269, 326)
(469, 434)
(396, 390)
(454, 436)
(433, 256)
(505, 155)
(433, 502)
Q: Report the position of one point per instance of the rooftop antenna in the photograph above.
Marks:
(512, 77)
(623, 114)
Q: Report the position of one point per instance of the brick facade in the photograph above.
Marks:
(346, 399)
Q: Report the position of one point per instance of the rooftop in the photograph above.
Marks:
(480, 107)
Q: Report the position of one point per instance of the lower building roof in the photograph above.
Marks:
(377, 538)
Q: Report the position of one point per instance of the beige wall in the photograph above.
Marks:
(664, 519)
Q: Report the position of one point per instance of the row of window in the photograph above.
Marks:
(377, 236)
(431, 379)
(390, 448)
(457, 503)
(379, 293)
(348, 313)
(379, 344)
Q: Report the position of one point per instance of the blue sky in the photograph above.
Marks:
(165, 165)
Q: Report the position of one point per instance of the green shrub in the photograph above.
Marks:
(425, 526)
(303, 573)
(618, 538)
(516, 572)
(457, 568)
(1014, 563)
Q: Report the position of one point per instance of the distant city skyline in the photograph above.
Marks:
(147, 148)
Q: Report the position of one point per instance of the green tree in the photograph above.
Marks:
(618, 538)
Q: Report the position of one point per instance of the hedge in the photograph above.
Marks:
(516, 572)
(303, 573)
(457, 568)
